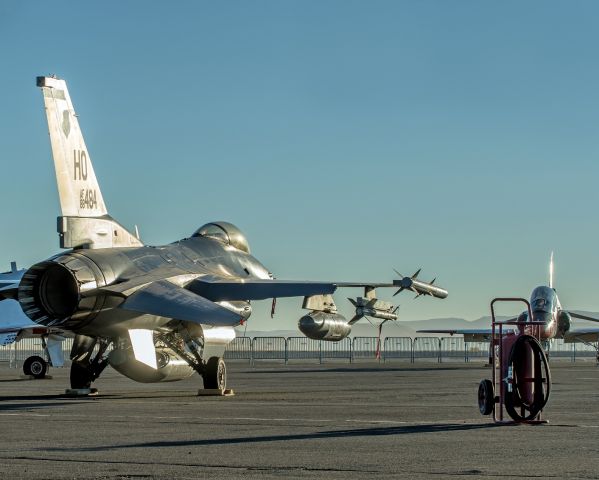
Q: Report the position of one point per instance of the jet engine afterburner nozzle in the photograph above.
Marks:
(51, 292)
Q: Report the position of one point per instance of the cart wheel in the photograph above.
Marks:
(486, 397)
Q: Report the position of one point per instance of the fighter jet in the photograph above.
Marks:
(152, 313)
(546, 308)
(15, 326)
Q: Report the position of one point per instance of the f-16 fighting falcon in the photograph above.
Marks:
(167, 311)
(546, 308)
(15, 326)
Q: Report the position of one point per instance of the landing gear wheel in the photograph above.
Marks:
(486, 397)
(35, 366)
(81, 377)
(215, 375)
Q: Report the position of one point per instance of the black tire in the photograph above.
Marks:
(35, 366)
(486, 397)
(215, 375)
(80, 376)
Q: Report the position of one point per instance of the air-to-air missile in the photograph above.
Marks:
(373, 308)
(418, 287)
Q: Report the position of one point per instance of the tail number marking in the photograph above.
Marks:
(88, 198)
(80, 165)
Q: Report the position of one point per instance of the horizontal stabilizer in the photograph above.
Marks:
(165, 299)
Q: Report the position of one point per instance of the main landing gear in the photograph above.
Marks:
(86, 366)
(215, 374)
(35, 367)
(213, 371)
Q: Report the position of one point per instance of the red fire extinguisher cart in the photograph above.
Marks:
(521, 380)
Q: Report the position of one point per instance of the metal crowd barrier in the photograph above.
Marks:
(239, 349)
(431, 349)
(397, 348)
(426, 348)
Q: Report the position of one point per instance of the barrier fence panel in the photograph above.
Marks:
(269, 348)
(397, 348)
(426, 348)
(558, 349)
(436, 349)
(582, 350)
(341, 349)
(239, 349)
(7, 354)
(364, 348)
(303, 348)
(452, 349)
(477, 351)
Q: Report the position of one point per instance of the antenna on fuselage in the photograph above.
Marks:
(551, 271)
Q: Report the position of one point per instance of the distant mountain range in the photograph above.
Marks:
(408, 328)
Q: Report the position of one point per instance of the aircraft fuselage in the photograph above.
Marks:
(53, 292)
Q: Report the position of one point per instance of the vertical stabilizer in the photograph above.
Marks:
(78, 188)
(85, 222)
(551, 271)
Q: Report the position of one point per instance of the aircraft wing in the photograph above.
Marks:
(582, 335)
(583, 317)
(470, 335)
(222, 288)
(8, 338)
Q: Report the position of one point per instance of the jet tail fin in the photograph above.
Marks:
(85, 222)
(551, 271)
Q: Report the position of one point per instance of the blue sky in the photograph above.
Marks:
(344, 138)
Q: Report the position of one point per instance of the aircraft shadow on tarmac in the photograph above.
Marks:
(359, 432)
(15, 407)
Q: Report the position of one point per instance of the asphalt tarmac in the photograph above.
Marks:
(334, 421)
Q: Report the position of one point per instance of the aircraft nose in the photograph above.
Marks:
(544, 317)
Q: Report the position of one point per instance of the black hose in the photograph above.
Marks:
(513, 400)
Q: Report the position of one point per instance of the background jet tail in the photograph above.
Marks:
(84, 222)
(551, 271)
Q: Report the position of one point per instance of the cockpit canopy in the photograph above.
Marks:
(226, 233)
(542, 299)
